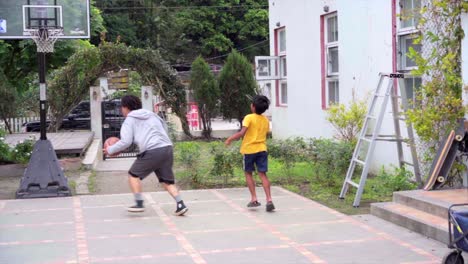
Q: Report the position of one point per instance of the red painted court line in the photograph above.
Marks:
(132, 219)
(340, 242)
(150, 218)
(136, 258)
(164, 203)
(63, 262)
(33, 242)
(130, 236)
(309, 255)
(35, 210)
(368, 228)
(80, 233)
(246, 249)
(422, 262)
(183, 241)
(219, 230)
(36, 225)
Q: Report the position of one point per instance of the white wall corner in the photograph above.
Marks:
(147, 98)
(95, 99)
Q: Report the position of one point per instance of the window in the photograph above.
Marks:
(281, 41)
(269, 68)
(409, 13)
(283, 93)
(283, 67)
(264, 68)
(412, 85)
(331, 67)
(282, 85)
(332, 29)
(333, 92)
(333, 61)
(406, 42)
(407, 32)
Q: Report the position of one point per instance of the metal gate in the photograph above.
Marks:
(112, 120)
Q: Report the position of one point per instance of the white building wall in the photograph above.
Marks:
(303, 116)
(365, 49)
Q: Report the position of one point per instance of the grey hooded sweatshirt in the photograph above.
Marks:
(144, 128)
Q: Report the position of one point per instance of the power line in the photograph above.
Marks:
(183, 7)
(239, 50)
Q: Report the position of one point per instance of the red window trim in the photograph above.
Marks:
(322, 58)
(394, 43)
(277, 88)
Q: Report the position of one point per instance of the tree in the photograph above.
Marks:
(181, 29)
(206, 92)
(18, 61)
(7, 101)
(70, 83)
(237, 85)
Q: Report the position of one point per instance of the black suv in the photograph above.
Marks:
(80, 117)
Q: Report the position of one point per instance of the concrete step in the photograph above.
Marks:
(419, 201)
(432, 202)
(421, 222)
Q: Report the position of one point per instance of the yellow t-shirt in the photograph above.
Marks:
(254, 140)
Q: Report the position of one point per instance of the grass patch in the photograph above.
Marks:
(72, 186)
(319, 178)
(92, 182)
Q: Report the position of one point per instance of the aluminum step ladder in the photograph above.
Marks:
(369, 135)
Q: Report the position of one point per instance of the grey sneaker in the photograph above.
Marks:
(270, 207)
(137, 208)
(181, 209)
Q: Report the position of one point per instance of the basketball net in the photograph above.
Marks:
(45, 38)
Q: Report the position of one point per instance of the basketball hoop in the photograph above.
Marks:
(45, 38)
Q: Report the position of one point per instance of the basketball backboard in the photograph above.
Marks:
(19, 17)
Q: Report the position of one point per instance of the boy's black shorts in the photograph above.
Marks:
(259, 160)
(158, 160)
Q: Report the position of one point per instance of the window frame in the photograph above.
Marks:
(402, 54)
(280, 90)
(327, 47)
(281, 55)
(278, 36)
(413, 23)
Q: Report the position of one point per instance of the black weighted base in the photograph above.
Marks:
(43, 177)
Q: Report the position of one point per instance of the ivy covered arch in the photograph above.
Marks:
(70, 84)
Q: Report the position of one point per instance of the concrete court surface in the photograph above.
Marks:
(217, 229)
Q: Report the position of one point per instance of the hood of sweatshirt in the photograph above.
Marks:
(142, 114)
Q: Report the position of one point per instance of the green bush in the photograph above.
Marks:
(225, 160)
(397, 180)
(347, 121)
(5, 151)
(331, 160)
(22, 152)
(288, 152)
(188, 153)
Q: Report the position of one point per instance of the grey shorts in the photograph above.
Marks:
(158, 160)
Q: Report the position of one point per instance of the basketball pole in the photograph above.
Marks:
(44, 176)
(42, 92)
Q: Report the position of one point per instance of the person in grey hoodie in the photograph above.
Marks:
(149, 132)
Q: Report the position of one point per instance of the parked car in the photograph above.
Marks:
(80, 118)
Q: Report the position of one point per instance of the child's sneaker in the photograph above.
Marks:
(181, 209)
(270, 207)
(253, 204)
(137, 208)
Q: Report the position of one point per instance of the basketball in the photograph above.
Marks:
(111, 141)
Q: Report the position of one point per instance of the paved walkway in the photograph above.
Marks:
(63, 142)
(217, 229)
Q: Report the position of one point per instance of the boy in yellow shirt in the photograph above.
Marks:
(255, 128)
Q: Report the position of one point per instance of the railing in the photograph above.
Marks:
(16, 123)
